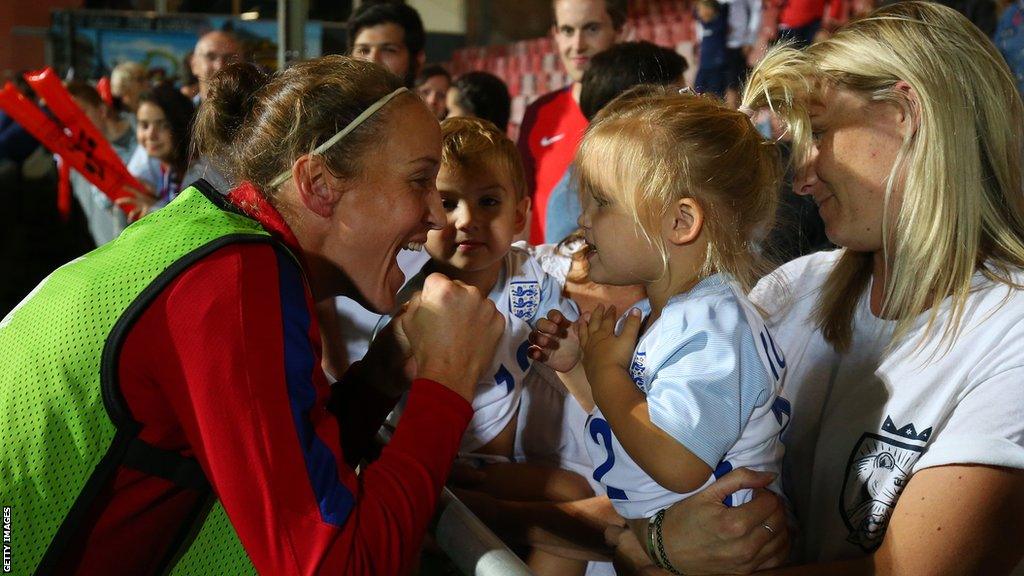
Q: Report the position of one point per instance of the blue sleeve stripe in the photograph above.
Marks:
(333, 498)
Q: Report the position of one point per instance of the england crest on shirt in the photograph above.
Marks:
(524, 299)
(876, 474)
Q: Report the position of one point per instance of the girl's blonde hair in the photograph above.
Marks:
(653, 146)
(959, 174)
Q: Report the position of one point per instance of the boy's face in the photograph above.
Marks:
(483, 217)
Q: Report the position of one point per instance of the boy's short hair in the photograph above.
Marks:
(475, 142)
(375, 13)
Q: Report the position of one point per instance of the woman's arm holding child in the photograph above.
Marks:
(606, 360)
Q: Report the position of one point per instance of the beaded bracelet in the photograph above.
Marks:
(661, 558)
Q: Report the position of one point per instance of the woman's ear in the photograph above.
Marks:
(685, 221)
(314, 184)
(910, 118)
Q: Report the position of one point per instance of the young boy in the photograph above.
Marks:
(483, 191)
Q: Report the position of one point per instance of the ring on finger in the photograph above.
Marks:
(768, 527)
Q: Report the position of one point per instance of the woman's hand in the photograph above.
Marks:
(704, 536)
(453, 332)
(555, 342)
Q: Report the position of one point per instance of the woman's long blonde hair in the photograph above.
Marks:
(959, 175)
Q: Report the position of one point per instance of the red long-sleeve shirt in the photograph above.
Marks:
(224, 366)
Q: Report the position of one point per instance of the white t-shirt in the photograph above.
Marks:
(713, 378)
(864, 422)
(523, 294)
(550, 428)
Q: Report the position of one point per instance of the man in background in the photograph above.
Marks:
(390, 34)
(553, 125)
(213, 51)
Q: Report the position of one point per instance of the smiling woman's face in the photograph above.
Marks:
(393, 202)
(153, 132)
(856, 142)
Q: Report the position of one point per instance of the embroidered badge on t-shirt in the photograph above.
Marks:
(524, 299)
(878, 470)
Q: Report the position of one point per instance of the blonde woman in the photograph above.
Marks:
(905, 348)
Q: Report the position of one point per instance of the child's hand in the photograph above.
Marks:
(602, 349)
(555, 342)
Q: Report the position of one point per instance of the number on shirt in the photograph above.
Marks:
(775, 360)
(783, 411)
(522, 355)
(599, 428)
(504, 377)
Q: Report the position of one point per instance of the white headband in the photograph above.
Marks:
(283, 176)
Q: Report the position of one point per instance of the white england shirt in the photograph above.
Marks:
(713, 377)
(523, 294)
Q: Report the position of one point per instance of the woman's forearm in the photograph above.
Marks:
(577, 525)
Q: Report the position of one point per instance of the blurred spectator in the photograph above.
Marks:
(16, 144)
(1009, 38)
(156, 76)
(625, 65)
(744, 18)
(114, 127)
(390, 34)
(480, 95)
(432, 84)
(105, 220)
(800, 20)
(982, 13)
(35, 238)
(164, 126)
(553, 125)
(213, 50)
(714, 68)
(611, 73)
(127, 82)
(189, 82)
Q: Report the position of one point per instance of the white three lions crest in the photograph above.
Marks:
(878, 470)
(524, 299)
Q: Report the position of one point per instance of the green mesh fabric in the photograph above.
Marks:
(55, 425)
(216, 550)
